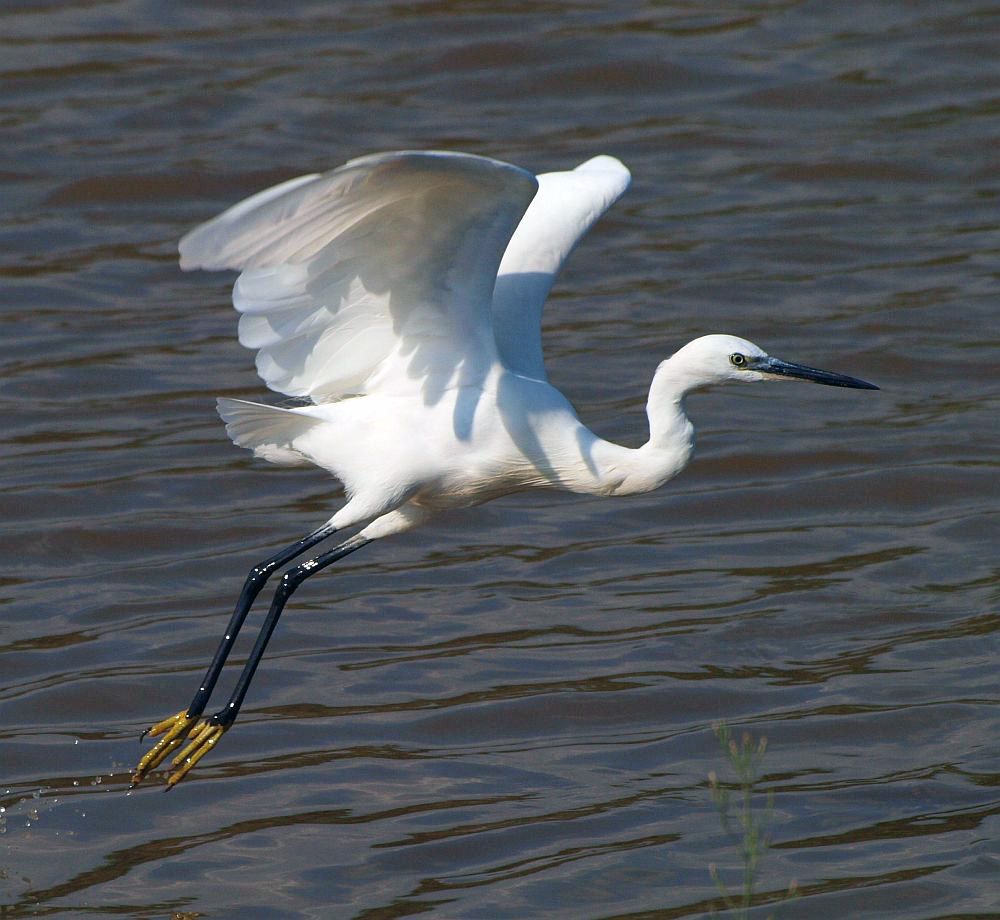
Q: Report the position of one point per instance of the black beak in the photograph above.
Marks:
(780, 368)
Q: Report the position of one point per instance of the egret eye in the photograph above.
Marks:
(737, 360)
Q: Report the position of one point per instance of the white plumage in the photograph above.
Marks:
(410, 287)
(401, 295)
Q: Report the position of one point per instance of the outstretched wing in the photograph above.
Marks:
(377, 276)
(566, 206)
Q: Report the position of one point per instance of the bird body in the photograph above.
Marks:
(401, 297)
(416, 332)
(520, 433)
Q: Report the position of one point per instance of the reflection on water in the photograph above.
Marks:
(510, 713)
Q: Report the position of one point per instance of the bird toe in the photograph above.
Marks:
(202, 740)
(175, 730)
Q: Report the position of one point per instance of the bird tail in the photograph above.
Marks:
(268, 431)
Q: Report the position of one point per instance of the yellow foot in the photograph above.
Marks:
(176, 728)
(201, 742)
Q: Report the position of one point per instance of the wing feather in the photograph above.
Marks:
(377, 276)
(566, 206)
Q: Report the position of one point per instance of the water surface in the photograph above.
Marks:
(509, 713)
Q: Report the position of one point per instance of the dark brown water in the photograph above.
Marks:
(508, 713)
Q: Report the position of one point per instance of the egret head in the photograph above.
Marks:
(719, 358)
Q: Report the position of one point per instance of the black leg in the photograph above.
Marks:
(210, 730)
(256, 580)
(175, 728)
(286, 587)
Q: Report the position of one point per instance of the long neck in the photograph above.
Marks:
(671, 440)
(669, 426)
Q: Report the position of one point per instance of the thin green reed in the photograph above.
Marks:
(751, 827)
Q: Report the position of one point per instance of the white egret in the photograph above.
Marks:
(401, 295)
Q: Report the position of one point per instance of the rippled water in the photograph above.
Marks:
(509, 713)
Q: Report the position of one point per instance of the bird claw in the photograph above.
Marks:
(202, 740)
(174, 730)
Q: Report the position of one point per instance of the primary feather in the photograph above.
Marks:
(374, 277)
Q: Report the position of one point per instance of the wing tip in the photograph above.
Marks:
(188, 260)
(208, 245)
(608, 166)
